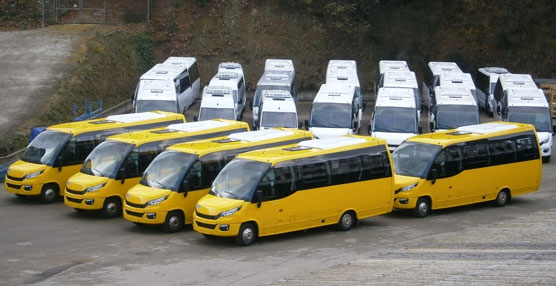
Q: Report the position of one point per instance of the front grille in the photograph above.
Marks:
(212, 217)
(13, 178)
(141, 206)
(77, 201)
(134, 213)
(205, 225)
(17, 187)
(74, 191)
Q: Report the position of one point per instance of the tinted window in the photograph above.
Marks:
(75, 152)
(311, 176)
(194, 179)
(194, 72)
(375, 166)
(276, 184)
(502, 151)
(526, 148)
(136, 163)
(475, 155)
(346, 170)
(184, 83)
(448, 162)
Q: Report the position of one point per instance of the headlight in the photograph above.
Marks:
(229, 212)
(407, 188)
(32, 175)
(94, 188)
(157, 201)
(542, 142)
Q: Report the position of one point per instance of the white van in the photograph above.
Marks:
(344, 72)
(459, 80)
(385, 66)
(432, 75)
(508, 82)
(395, 117)
(279, 65)
(278, 110)
(402, 79)
(530, 106)
(335, 111)
(452, 107)
(219, 102)
(171, 86)
(485, 80)
(230, 76)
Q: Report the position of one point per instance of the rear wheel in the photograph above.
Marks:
(112, 208)
(422, 208)
(502, 198)
(347, 221)
(174, 222)
(247, 234)
(49, 193)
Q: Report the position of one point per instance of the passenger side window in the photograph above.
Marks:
(276, 184)
(209, 171)
(136, 163)
(311, 176)
(375, 166)
(475, 155)
(502, 151)
(526, 149)
(343, 171)
(75, 152)
(184, 83)
(448, 162)
(194, 180)
(194, 72)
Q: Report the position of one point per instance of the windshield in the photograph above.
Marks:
(395, 119)
(538, 116)
(454, 116)
(106, 158)
(45, 147)
(162, 105)
(413, 159)
(238, 179)
(279, 119)
(166, 171)
(212, 113)
(331, 115)
(258, 93)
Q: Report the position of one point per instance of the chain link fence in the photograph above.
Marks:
(95, 11)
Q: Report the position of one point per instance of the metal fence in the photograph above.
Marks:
(95, 11)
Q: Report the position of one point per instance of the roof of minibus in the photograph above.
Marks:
(400, 79)
(282, 78)
(241, 140)
(116, 121)
(457, 79)
(396, 97)
(178, 131)
(471, 132)
(444, 67)
(527, 97)
(312, 148)
(335, 93)
(391, 65)
(516, 81)
(454, 95)
(279, 65)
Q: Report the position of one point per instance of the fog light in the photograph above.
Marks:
(224, 227)
(151, 215)
(404, 201)
(545, 150)
(27, 188)
(89, 201)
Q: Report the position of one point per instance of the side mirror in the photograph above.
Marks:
(355, 125)
(60, 163)
(195, 118)
(369, 128)
(259, 195)
(306, 123)
(122, 175)
(433, 175)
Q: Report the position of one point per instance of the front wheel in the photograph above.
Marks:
(247, 234)
(502, 198)
(112, 208)
(174, 222)
(49, 193)
(347, 221)
(422, 208)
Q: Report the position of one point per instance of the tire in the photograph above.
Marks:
(22, 197)
(546, 159)
(247, 234)
(111, 208)
(422, 208)
(174, 222)
(49, 193)
(347, 221)
(502, 199)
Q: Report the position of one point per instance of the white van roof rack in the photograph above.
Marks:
(229, 65)
(226, 76)
(219, 90)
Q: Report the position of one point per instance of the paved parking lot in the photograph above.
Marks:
(478, 244)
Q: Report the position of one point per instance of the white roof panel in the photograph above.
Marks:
(486, 128)
(335, 93)
(389, 65)
(260, 135)
(443, 67)
(400, 79)
(197, 126)
(331, 143)
(134, 117)
(186, 61)
(279, 65)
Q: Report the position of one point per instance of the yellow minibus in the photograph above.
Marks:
(485, 162)
(58, 152)
(176, 179)
(117, 164)
(313, 183)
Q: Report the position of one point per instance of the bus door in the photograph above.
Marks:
(447, 189)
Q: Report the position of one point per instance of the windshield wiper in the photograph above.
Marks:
(232, 194)
(156, 182)
(98, 171)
